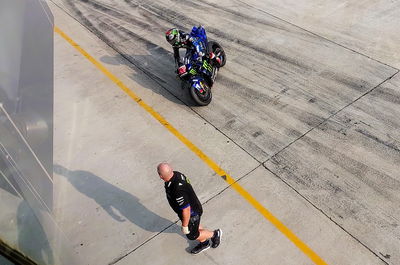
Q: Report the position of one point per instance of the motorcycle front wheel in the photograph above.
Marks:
(202, 99)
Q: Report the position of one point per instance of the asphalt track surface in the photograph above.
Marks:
(314, 102)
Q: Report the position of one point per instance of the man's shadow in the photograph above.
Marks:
(119, 204)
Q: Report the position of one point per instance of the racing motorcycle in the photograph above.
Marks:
(199, 73)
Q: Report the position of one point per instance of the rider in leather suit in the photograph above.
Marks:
(179, 39)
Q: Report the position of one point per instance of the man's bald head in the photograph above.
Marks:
(165, 171)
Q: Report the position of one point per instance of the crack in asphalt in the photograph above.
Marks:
(332, 115)
(315, 34)
(116, 260)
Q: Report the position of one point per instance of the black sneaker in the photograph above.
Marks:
(216, 239)
(201, 247)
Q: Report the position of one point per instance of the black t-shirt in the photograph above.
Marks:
(180, 195)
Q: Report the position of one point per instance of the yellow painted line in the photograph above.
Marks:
(236, 186)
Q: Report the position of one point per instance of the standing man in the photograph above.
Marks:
(184, 202)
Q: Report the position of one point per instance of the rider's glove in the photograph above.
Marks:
(185, 230)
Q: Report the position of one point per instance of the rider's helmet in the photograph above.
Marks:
(173, 36)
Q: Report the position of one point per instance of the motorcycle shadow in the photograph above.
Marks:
(146, 71)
